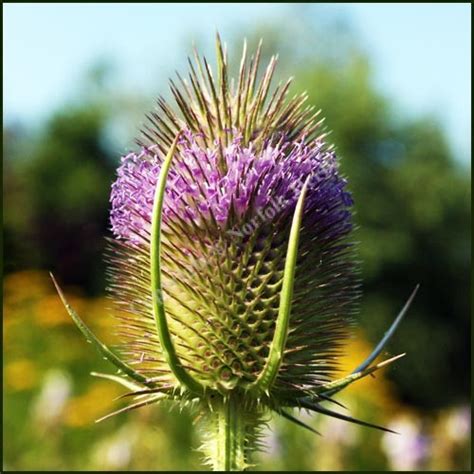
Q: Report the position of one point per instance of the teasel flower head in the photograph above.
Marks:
(232, 264)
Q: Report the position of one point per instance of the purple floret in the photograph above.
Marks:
(208, 187)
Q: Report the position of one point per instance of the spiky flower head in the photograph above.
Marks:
(232, 262)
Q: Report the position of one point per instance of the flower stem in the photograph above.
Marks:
(230, 437)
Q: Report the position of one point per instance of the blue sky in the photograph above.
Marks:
(421, 52)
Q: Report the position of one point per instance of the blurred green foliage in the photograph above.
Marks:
(56, 188)
(413, 212)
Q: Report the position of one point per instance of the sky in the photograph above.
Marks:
(420, 52)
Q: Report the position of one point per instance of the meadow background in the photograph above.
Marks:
(394, 85)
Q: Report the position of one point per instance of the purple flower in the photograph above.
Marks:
(227, 212)
(229, 190)
(232, 265)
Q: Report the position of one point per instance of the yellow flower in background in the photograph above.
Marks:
(20, 374)
(26, 285)
(96, 309)
(29, 295)
(83, 410)
(48, 312)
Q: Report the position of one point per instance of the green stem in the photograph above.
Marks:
(230, 437)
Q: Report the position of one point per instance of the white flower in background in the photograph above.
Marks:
(115, 452)
(407, 451)
(51, 401)
(458, 423)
